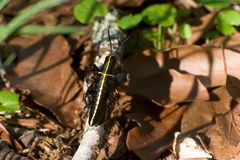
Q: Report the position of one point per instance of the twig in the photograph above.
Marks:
(91, 140)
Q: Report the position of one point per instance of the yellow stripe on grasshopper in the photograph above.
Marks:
(110, 75)
(101, 88)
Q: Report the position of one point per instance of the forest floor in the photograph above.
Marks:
(181, 101)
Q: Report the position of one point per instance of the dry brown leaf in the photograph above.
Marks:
(233, 87)
(220, 103)
(231, 42)
(169, 87)
(44, 67)
(16, 6)
(232, 62)
(59, 15)
(116, 145)
(207, 64)
(142, 65)
(205, 22)
(150, 142)
(69, 112)
(210, 65)
(236, 116)
(224, 135)
(32, 123)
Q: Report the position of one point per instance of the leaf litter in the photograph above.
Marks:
(187, 89)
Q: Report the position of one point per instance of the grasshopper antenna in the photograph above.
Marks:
(122, 43)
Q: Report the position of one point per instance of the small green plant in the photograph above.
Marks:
(153, 36)
(211, 34)
(87, 10)
(9, 102)
(160, 15)
(227, 20)
(130, 21)
(185, 31)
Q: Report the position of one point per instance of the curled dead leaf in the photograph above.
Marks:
(219, 104)
(230, 42)
(149, 143)
(210, 65)
(169, 87)
(225, 135)
(207, 64)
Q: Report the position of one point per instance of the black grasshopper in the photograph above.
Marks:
(100, 95)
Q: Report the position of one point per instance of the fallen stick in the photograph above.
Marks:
(90, 141)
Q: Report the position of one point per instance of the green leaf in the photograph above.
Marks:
(3, 3)
(181, 12)
(163, 14)
(215, 4)
(185, 31)
(9, 102)
(87, 10)
(150, 35)
(101, 10)
(225, 28)
(226, 20)
(231, 17)
(10, 59)
(211, 34)
(129, 21)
